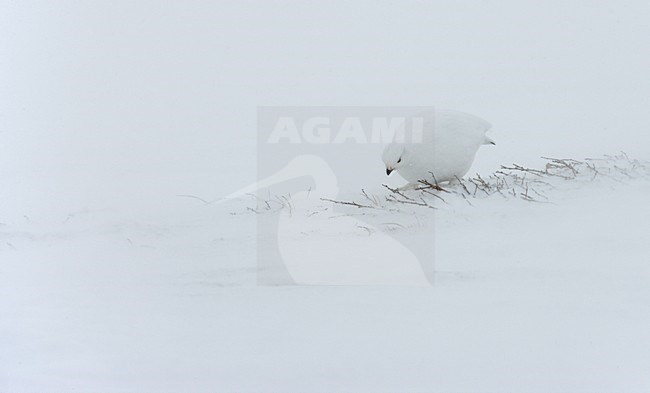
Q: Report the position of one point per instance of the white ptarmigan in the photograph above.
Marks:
(445, 150)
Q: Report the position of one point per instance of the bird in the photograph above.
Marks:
(444, 150)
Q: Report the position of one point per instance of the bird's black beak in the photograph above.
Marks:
(388, 171)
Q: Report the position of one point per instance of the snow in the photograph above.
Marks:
(111, 282)
(528, 297)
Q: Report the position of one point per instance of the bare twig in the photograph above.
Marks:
(398, 192)
(194, 197)
(410, 202)
(424, 190)
(349, 203)
(434, 186)
(462, 184)
(373, 200)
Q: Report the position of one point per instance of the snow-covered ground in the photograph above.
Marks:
(111, 282)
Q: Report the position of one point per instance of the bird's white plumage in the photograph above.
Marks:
(446, 150)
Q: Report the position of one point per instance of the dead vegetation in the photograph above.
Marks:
(510, 182)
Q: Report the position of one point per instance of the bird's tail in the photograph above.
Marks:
(489, 141)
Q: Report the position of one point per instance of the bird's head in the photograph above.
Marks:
(394, 157)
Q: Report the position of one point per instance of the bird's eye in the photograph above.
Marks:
(400, 160)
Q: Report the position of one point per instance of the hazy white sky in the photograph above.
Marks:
(165, 93)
